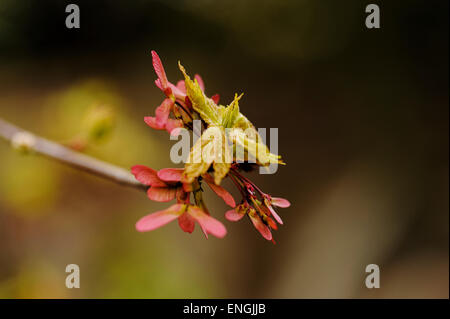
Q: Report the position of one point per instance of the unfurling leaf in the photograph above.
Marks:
(211, 148)
(231, 113)
(252, 146)
(201, 104)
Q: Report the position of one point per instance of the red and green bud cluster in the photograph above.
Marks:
(177, 111)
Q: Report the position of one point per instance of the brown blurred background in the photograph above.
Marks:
(363, 126)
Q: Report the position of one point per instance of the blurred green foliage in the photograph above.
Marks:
(29, 185)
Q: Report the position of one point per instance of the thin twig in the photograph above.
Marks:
(67, 156)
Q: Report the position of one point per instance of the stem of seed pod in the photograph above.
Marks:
(186, 111)
(238, 186)
(247, 180)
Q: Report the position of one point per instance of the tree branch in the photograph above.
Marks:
(40, 145)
